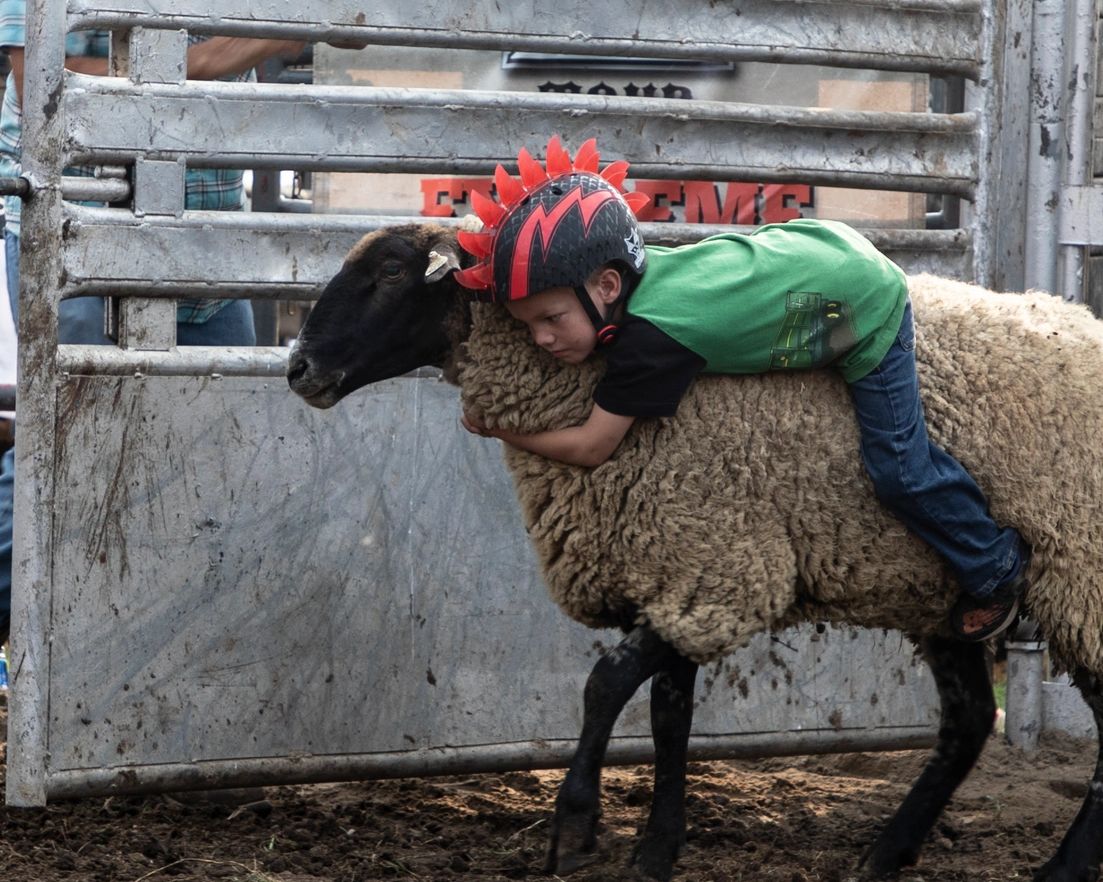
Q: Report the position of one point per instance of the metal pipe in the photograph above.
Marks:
(772, 32)
(156, 289)
(460, 99)
(32, 591)
(999, 211)
(156, 258)
(957, 7)
(919, 179)
(1045, 144)
(981, 97)
(320, 129)
(1025, 670)
(246, 221)
(75, 189)
(149, 288)
(543, 754)
(186, 361)
(183, 14)
(15, 187)
(329, 225)
(1081, 102)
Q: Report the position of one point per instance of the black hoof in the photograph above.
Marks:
(565, 864)
(881, 862)
(572, 844)
(654, 857)
(1055, 872)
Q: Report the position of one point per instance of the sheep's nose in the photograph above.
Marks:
(297, 365)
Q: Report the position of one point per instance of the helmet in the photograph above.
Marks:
(554, 227)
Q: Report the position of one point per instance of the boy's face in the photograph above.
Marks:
(558, 323)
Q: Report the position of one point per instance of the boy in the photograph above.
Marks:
(564, 254)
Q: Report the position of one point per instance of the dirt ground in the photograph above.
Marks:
(805, 819)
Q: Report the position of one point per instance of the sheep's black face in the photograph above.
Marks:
(381, 316)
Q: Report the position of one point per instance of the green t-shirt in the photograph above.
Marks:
(802, 294)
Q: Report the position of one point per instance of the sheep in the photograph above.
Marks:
(750, 511)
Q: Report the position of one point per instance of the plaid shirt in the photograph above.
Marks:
(205, 188)
(13, 30)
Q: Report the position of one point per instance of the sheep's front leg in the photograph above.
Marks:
(671, 718)
(614, 680)
(968, 714)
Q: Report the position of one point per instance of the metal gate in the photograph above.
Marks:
(214, 585)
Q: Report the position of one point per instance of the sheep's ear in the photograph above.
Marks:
(442, 260)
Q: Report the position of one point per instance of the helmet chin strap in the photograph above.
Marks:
(606, 330)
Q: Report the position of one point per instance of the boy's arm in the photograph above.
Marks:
(589, 444)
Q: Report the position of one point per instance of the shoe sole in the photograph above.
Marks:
(991, 631)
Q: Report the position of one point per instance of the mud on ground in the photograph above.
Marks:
(805, 819)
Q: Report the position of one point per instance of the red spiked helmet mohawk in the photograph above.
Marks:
(554, 226)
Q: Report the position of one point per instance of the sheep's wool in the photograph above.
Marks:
(751, 509)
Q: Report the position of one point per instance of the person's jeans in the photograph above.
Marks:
(920, 483)
(7, 463)
(80, 320)
(7, 497)
(11, 267)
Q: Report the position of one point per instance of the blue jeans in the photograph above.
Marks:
(7, 497)
(80, 320)
(920, 483)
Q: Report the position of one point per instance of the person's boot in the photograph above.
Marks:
(977, 618)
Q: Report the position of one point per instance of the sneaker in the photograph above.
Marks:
(975, 619)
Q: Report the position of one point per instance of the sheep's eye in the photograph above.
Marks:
(393, 270)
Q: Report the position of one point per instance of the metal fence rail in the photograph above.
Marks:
(465, 132)
(916, 35)
(200, 254)
(519, 756)
(219, 361)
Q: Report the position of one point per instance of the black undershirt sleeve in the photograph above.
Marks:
(646, 372)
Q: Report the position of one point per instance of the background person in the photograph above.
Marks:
(81, 319)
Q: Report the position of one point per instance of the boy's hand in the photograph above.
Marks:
(475, 426)
(589, 444)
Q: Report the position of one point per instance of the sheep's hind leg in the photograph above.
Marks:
(1079, 854)
(614, 679)
(968, 714)
(671, 718)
